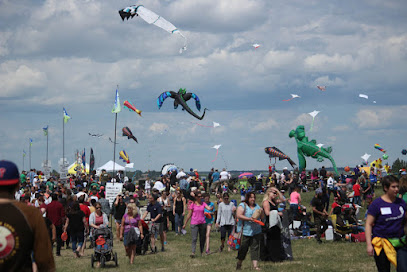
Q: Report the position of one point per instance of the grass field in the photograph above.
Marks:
(308, 256)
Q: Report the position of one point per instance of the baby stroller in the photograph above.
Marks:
(102, 242)
(144, 244)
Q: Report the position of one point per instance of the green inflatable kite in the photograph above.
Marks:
(310, 149)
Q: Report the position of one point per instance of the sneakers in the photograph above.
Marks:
(192, 255)
(162, 249)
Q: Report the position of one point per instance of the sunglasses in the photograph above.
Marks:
(98, 208)
(226, 198)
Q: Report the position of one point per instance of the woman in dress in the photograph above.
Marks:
(271, 200)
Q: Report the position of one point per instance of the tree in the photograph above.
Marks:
(398, 164)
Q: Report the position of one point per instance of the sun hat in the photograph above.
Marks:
(8, 173)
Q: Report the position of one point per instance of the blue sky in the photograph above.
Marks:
(73, 53)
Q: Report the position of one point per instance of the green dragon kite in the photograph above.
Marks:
(310, 149)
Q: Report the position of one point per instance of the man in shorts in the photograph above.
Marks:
(155, 210)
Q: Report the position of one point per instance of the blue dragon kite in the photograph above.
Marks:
(181, 98)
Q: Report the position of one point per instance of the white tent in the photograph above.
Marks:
(109, 167)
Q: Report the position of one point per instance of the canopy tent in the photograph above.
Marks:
(109, 167)
(75, 166)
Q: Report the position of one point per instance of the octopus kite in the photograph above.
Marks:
(181, 98)
(310, 149)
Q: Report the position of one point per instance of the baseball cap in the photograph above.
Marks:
(8, 173)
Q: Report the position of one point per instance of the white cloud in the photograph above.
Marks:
(158, 127)
(341, 128)
(336, 62)
(266, 125)
(326, 81)
(16, 80)
(373, 118)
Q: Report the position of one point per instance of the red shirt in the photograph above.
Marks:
(55, 212)
(85, 210)
(356, 189)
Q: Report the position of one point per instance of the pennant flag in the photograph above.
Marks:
(84, 159)
(66, 116)
(24, 153)
(45, 129)
(91, 162)
(117, 107)
(31, 142)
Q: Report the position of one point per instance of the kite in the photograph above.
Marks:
(310, 149)
(217, 151)
(274, 152)
(127, 132)
(366, 157)
(95, 135)
(110, 139)
(181, 98)
(363, 96)
(404, 151)
(385, 156)
(322, 88)
(151, 18)
(214, 125)
(374, 102)
(292, 97)
(378, 147)
(313, 115)
(256, 45)
(123, 155)
(131, 107)
(320, 145)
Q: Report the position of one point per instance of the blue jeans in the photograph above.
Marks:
(356, 200)
(77, 240)
(179, 221)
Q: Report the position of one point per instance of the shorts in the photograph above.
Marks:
(156, 228)
(118, 221)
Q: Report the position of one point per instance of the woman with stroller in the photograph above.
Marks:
(271, 200)
(130, 221)
(251, 237)
(385, 227)
(77, 224)
(98, 219)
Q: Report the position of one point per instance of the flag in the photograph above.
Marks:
(91, 161)
(45, 129)
(84, 159)
(66, 116)
(117, 108)
(24, 153)
(31, 142)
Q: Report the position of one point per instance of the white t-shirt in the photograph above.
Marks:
(224, 175)
(82, 193)
(147, 185)
(331, 183)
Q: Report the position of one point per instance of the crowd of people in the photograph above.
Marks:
(179, 198)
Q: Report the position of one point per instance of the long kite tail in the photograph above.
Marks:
(201, 125)
(134, 138)
(288, 99)
(216, 156)
(291, 162)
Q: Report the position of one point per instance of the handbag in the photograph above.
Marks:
(235, 239)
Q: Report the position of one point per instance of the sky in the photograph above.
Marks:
(74, 54)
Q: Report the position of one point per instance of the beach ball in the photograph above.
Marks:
(347, 168)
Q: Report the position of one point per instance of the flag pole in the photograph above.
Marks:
(47, 146)
(114, 147)
(63, 140)
(23, 159)
(29, 155)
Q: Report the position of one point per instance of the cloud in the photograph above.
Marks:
(341, 128)
(326, 81)
(158, 127)
(266, 125)
(373, 118)
(16, 80)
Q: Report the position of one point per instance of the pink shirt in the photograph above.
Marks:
(198, 216)
(294, 198)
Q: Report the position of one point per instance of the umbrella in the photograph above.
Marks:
(246, 175)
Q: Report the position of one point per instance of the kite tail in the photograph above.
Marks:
(200, 118)
(216, 156)
(287, 99)
(201, 125)
(134, 138)
(312, 124)
(184, 48)
(291, 162)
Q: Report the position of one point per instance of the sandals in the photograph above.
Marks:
(257, 268)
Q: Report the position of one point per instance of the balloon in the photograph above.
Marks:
(310, 149)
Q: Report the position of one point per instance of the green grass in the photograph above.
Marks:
(308, 256)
